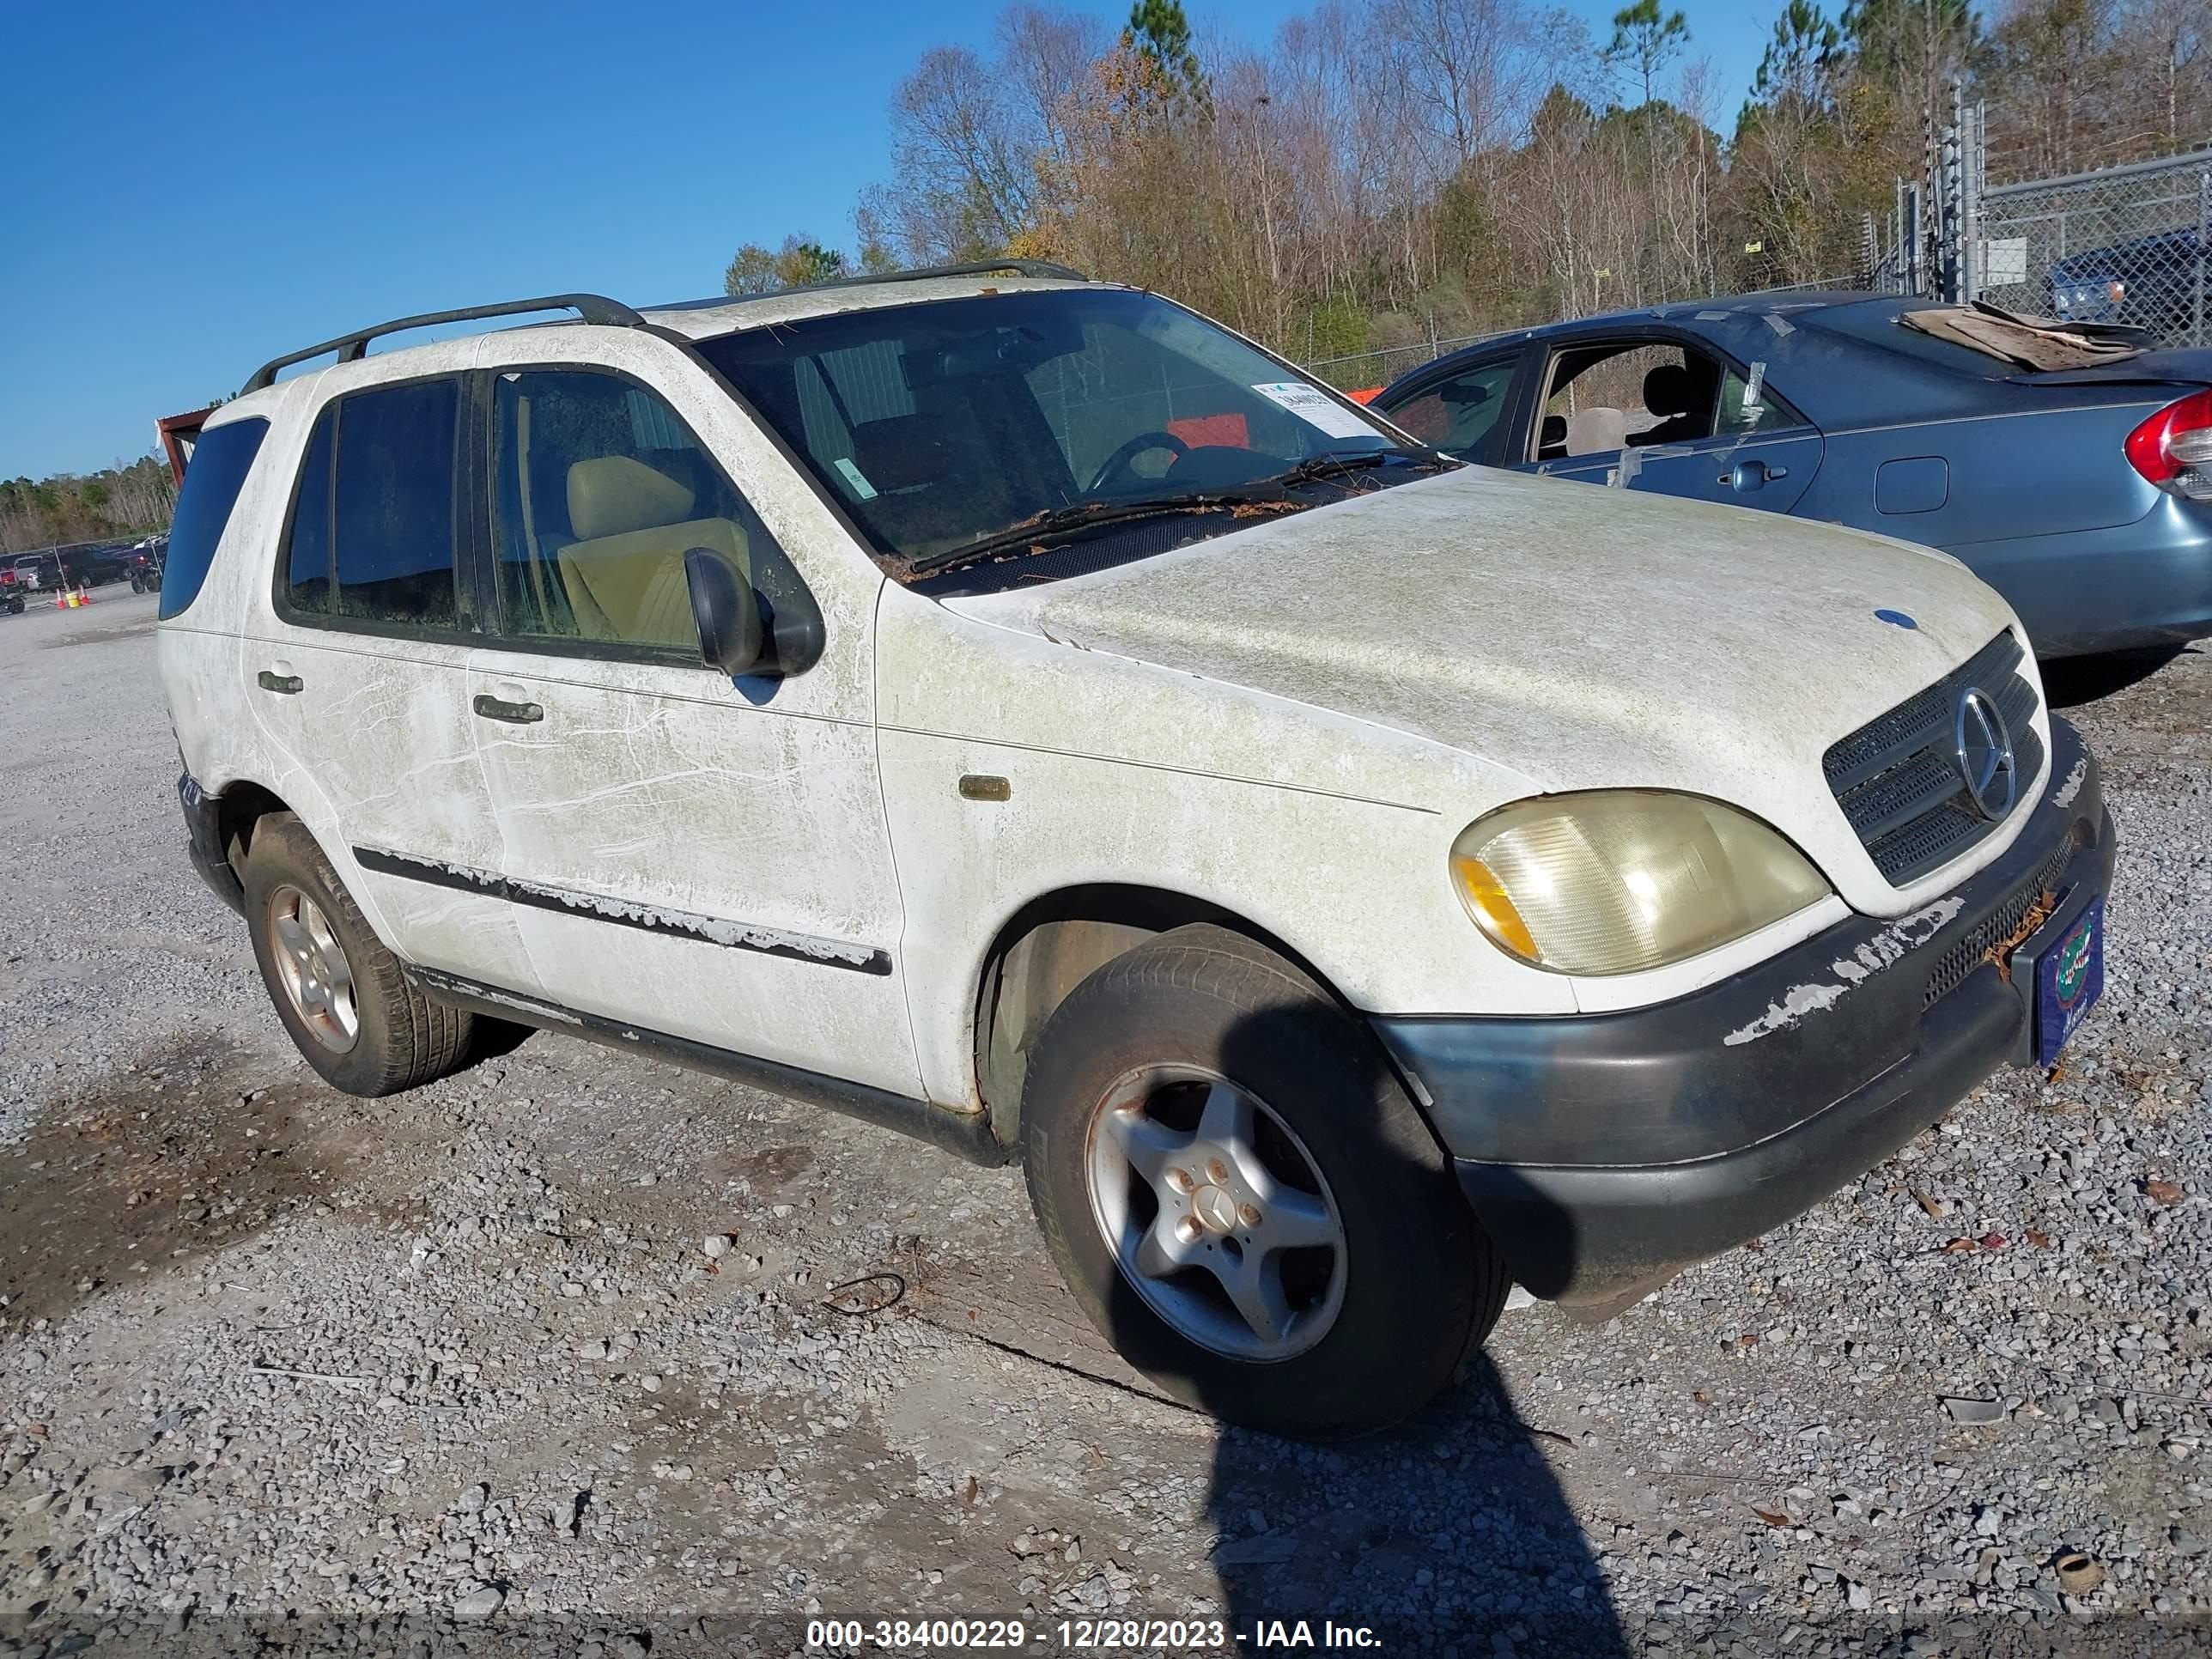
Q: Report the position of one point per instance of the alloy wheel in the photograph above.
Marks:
(312, 967)
(1216, 1213)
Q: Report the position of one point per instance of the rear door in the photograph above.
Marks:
(1661, 410)
(355, 665)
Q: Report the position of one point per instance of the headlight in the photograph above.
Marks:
(1616, 881)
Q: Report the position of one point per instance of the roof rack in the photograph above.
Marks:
(352, 347)
(919, 273)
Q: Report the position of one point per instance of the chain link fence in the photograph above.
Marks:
(2121, 245)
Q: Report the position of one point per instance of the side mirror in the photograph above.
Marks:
(728, 614)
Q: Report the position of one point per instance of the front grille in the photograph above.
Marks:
(1953, 966)
(1897, 777)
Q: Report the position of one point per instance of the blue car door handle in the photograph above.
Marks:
(1749, 475)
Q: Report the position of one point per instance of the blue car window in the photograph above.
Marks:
(1740, 419)
(1459, 414)
(221, 460)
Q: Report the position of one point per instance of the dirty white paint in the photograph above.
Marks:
(1579, 638)
(1885, 949)
(2064, 794)
(1292, 721)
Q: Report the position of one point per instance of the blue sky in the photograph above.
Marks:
(195, 188)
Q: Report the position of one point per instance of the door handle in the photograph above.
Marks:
(1749, 475)
(283, 684)
(515, 713)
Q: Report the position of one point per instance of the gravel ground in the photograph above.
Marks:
(565, 1354)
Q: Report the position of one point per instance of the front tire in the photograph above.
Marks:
(1242, 1196)
(338, 991)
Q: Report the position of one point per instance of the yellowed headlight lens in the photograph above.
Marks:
(1487, 901)
(1619, 881)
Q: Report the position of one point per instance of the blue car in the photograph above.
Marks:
(2152, 282)
(2083, 494)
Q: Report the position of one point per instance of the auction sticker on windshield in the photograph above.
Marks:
(1315, 410)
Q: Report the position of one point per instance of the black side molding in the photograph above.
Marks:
(653, 919)
(965, 1134)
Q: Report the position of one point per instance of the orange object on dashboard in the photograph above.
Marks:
(1213, 431)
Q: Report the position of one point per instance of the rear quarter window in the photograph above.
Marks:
(219, 466)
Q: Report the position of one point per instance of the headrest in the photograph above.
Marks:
(614, 495)
(1670, 389)
(1594, 431)
(902, 451)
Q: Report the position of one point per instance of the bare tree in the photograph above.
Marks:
(1386, 174)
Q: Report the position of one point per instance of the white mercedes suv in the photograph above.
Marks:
(1018, 711)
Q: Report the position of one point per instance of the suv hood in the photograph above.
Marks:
(1583, 637)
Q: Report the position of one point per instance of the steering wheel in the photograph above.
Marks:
(1118, 462)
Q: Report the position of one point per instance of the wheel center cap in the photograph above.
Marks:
(1215, 1208)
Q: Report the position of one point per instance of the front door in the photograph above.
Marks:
(700, 857)
(1464, 412)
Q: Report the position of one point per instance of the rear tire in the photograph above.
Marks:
(339, 992)
(1315, 1272)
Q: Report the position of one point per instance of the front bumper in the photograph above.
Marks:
(203, 832)
(1606, 1152)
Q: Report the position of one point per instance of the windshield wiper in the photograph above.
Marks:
(1085, 515)
(1082, 515)
(1315, 468)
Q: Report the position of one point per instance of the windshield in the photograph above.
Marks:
(949, 423)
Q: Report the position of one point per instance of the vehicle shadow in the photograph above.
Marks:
(2069, 682)
(1449, 1532)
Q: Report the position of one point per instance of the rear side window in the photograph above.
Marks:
(372, 538)
(219, 465)
(1746, 409)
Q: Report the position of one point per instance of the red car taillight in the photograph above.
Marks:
(2173, 447)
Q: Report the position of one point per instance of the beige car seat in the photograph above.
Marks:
(625, 573)
(1593, 431)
